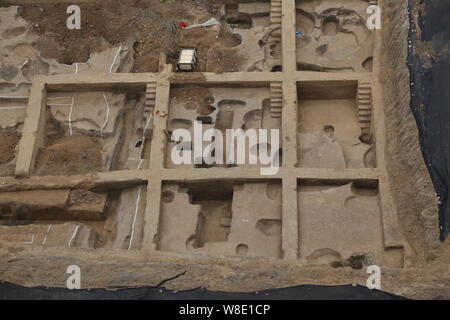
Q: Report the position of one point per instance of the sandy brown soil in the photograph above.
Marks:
(8, 142)
(70, 156)
(195, 95)
(224, 60)
(117, 21)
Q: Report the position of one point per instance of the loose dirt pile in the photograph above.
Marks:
(152, 21)
(194, 95)
(8, 142)
(70, 156)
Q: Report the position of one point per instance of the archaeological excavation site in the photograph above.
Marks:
(88, 117)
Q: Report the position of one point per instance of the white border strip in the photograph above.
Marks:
(70, 115)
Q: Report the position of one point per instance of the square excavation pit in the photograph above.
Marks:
(224, 107)
(340, 223)
(221, 218)
(335, 125)
(78, 218)
(335, 37)
(248, 38)
(94, 131)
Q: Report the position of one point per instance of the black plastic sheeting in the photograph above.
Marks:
(430, 96)
(10, 291)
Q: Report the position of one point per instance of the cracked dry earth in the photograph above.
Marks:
(86, 176)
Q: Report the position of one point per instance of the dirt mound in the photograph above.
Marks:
(8, 142)
(224, 60)
(115, 21)
(70, 156)
(196, 96)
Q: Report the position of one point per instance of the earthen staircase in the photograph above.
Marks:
(275, 23)
(364, 100)
(276, 99)
(275, 13)
(150, 103)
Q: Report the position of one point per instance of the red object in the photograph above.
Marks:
(182, 25)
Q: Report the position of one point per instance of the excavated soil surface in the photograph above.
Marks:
(117, 21)
(70, 156)
(150, 21)
(8, 142)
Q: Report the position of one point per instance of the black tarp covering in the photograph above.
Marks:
(430, 94)
(10, 291)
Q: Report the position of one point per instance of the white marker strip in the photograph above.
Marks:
(145, 127)
(13, 97)
(114, 61)
(46, 235)
(107, 113)
(140, 164)
(135, 217)
(24, 63)
(74, 235)
(70, 115)
(76, 68)
(143, 142)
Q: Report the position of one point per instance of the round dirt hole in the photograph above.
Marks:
(368, 64)
(168, 196)
(242, 249)
(206, 110)
(277, 68)
(190, 105)
(209, 100)
(330, 26)
(205, 120)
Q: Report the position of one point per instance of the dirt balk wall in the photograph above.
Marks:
(412, 188)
